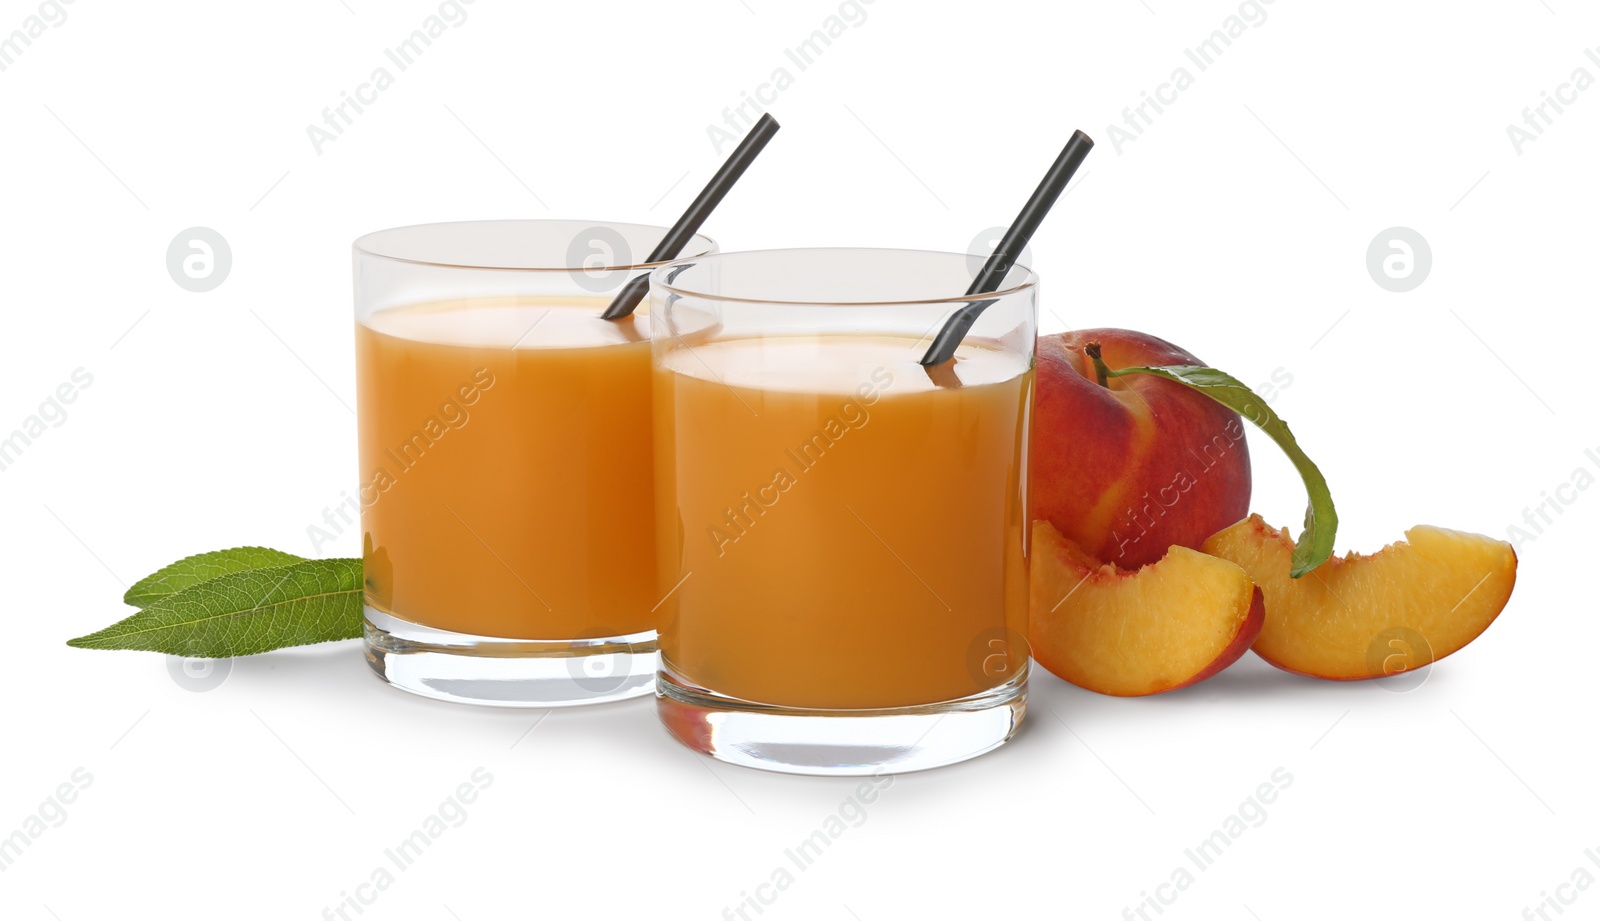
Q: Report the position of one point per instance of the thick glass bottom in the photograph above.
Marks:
(499, 672)
(839, 742)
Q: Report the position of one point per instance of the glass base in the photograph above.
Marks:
(498, 672)
(839, 742)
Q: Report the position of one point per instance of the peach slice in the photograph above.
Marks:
(1130, 632)
(1367, 616)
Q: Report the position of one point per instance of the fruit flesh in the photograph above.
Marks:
(1133, 632)
(1366, 616)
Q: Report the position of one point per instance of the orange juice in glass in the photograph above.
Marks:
(505, 436)
(840, 531)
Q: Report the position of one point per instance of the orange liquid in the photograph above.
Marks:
(505, 486)
(853, 543)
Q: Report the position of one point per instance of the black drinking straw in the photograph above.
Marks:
(1011, 245)
(699, 209)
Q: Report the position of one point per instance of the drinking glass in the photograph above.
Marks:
(841, 532)
(505, 442)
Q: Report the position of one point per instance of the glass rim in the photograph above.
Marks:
(361, 246)
(1030, 278)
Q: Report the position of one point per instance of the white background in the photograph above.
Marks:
(1236, 226)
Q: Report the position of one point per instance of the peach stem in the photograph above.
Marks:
(1101, 372)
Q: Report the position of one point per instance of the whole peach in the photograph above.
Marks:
(1134, 466)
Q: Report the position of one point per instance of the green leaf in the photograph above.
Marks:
(1315, 545)
(246, 612)
(203, 567)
